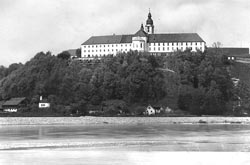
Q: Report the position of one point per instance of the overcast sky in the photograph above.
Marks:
(31, 26)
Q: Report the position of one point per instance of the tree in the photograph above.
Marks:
(64, 55)
(217, 44)
(208, 82)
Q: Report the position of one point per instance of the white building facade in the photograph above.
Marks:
(43, 103)
(145, 40)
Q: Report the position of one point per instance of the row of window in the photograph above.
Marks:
(175, 43)
(170, 48)
(94, 55)
(106, 45)
(112, 50)
(150, 44)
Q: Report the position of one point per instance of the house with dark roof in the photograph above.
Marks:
(14, 104)
(144, 40)
(233, 53)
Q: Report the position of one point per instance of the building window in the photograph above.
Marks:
(141, 45)
(163, 49)
(104, 46)
(159, 44)
(149, 49)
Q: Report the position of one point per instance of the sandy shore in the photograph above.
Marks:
(88, 120)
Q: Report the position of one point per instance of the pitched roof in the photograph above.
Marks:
(141, 33)
(244, 52)
(14, 101)
(152, 38)
(72, 52)
(126, 39)
(44, 101)
(111, 39)
(175, 37)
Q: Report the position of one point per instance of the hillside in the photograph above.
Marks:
(241, 71)
(198, 83)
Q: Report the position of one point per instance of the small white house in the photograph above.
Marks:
(43, 103)
(150, 110)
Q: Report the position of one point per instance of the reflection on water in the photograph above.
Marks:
(133, 137)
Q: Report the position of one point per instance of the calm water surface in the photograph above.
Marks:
(22, 143)
(134, 137)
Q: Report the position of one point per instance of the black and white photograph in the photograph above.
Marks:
(124, 82)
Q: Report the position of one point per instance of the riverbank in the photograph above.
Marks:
(89, 120)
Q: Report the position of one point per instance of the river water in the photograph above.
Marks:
(98, 144)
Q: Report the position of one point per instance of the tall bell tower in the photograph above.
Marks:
(149, 24)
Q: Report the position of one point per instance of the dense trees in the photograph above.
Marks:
(200, 82)
(131, 77)
(205, 83)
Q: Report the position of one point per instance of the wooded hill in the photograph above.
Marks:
(198, 83)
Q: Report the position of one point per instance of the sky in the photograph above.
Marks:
(31, 26)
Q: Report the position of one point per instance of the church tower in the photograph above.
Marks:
(149, 24)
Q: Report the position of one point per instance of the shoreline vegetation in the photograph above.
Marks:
(90, 120)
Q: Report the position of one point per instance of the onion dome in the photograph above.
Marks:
(149, 20)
